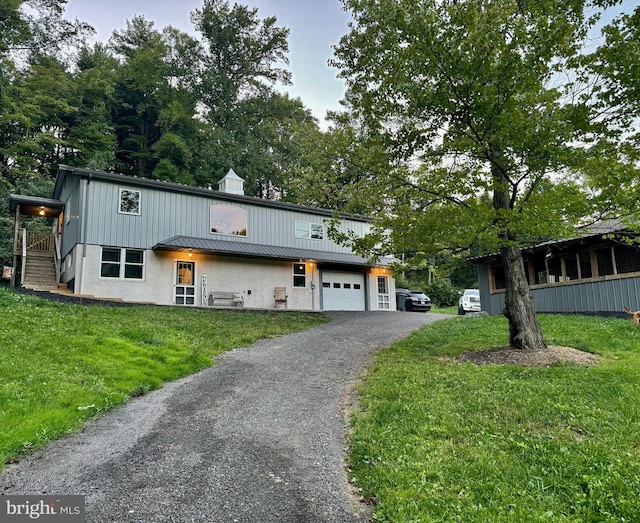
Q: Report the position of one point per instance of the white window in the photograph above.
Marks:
(129, 202)
(302, 229)
(299, 275)
(122, 263)
(315, 231)
(383, 293)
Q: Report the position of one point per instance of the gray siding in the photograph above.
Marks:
(491, 303)
(71, 195)
(598, 296)
(165, 214)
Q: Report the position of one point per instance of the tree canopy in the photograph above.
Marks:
(151, 102)
(493, 123)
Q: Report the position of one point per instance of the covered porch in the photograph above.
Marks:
(36, 250)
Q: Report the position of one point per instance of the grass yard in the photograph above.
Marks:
(436, 440)
(60, 364)
(445, 310)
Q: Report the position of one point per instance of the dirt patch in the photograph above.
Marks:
(552, 355)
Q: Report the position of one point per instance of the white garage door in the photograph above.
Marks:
(342, 291)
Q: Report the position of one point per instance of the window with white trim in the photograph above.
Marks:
(228, 219)
(314, 231)
(384, 301)
(129, 201)
(122, 263)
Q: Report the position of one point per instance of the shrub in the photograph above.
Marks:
(442, 293)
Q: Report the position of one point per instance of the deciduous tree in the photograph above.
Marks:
(250, 125)
(479, 98)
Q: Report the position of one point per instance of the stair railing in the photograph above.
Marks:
(56, 256)
(36, 241)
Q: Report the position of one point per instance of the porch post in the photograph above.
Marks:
(16, 228)
(24, 255)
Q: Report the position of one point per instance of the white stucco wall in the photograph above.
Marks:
(254, 279)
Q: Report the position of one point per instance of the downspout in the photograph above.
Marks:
(83, 231)
(313, 289)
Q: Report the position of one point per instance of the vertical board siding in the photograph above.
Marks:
(165, 214)
(71, 230)
(598, 296)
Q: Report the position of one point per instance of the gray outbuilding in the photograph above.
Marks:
(596, 272)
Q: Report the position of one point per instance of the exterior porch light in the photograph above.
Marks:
(41, 211)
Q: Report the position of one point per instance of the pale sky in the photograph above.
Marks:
(315, 25)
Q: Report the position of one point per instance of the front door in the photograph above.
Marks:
(185, 283)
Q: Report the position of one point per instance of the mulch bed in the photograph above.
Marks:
(552, 355)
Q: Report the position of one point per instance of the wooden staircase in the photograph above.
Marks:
(38, 254)
(40, 271)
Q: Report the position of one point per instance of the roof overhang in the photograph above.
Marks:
(35, 206)
(601, 231)
(270, 252)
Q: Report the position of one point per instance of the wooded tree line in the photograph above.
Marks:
(158, 103)
(152, 102)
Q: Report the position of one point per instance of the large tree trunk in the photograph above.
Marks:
(524, 328)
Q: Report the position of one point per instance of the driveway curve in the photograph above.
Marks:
(258, 437)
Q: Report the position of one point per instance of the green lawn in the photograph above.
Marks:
(436, 440)
(445, 310)
(60, 364)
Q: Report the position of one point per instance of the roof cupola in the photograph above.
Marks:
(231, 183)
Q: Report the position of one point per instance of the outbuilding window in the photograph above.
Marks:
(627, 258)
(498, 278)
(551, 268)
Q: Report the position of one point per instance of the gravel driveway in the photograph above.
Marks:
(258, 437)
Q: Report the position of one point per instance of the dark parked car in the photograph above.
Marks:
(417, 301)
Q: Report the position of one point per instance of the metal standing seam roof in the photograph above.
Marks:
(232, 248)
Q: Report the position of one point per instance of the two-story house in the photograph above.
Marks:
(139, 239)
